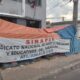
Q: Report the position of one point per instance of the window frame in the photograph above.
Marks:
(37, 3)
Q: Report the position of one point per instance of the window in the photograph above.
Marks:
(0, 1)
(33, 23)
(18, 0)
(37, 2)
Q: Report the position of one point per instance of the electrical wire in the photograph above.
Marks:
(58, 4)
(64, 4)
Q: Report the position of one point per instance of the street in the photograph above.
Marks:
(72, 75)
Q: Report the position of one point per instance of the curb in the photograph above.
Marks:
(72, 66)
(1, 78)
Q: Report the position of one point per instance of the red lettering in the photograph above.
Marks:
(52, 38)
(49, 39)
(41, 41)
(27, 41)
(32, 41)
(36, 41)
(46, 40)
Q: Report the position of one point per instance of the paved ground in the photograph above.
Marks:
(40, 69)
(70, 75)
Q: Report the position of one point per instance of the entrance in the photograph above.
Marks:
(34, 23)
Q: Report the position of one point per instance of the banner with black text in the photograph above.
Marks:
(12, 49)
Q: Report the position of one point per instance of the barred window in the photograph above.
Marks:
(0, 1)
(37, 2)
(18, 0)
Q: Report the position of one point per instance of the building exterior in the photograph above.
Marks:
(25, 12)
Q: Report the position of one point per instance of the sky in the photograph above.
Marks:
(60, 8)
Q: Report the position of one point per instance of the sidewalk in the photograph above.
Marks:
(41, 68)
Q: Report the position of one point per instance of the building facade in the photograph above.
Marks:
(30, 13)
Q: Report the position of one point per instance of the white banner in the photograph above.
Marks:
(22, 49)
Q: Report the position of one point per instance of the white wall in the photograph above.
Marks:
(38, 13)
(13, 7)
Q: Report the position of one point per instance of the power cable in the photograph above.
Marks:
(61, 4)
(58, 4)
(65, 4)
